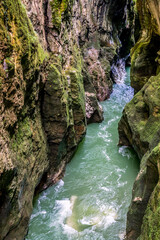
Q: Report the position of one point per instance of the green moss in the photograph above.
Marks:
(145, 54)
(18, 37)
(135, 6)
(151, 223)
(58, 9)
(138, 48)
(57, 86)
(77, 88)
(54, 77)
(22, 136)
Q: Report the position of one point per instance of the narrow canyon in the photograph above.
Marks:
(63, 67)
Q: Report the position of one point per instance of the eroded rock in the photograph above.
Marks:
(45, 76)
(140, 128)
(145, 54)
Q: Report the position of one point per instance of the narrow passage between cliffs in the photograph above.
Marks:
(92, 200)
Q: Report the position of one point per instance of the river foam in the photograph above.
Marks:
(91, 201)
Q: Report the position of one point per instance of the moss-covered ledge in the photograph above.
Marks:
(145, 53)
(139, 127)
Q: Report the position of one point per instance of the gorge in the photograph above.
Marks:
(57, 61)
(92, 200)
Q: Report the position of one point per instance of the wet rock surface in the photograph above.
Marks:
(23, 155)
(145, 53)
(139, 126)
(51, 79)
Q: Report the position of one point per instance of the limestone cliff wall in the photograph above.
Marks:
(23, 154)
(53, 70)
(145, 54)
(140, 125)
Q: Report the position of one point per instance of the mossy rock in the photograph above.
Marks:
(59, 8)
(18, 37)
(144, 59)
(151, 221)
(140, 128)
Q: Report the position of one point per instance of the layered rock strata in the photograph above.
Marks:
(140, 126)
(53, 70)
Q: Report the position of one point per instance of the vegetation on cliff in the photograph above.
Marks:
(44, 95)
(145, 52)
(59, 8)
(21, 132)
(140, 125)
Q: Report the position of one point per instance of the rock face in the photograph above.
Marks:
(23, 156)
(139, 126)
(145, 54)
(53, 70)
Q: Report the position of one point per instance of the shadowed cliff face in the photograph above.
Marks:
(83, 38)
(140, 126)
(145, 53)
(23, 155)
(50, 84)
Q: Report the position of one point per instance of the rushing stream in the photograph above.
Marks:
(91, 201)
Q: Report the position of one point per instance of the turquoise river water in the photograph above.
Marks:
(92, 200)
